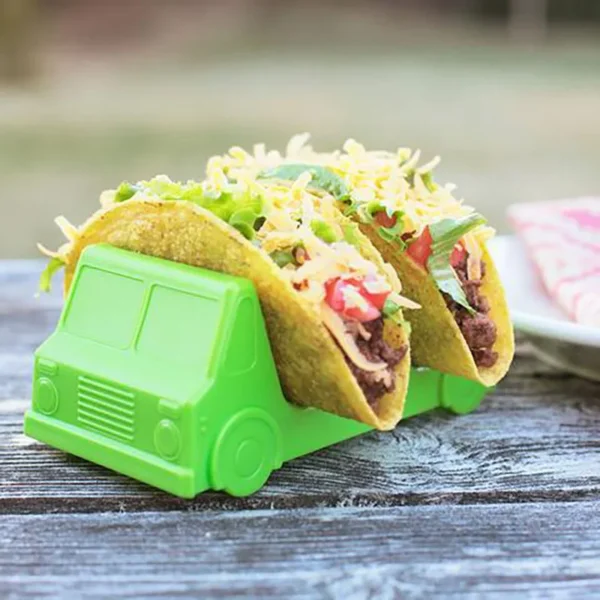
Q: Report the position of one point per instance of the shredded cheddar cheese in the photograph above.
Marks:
(353, 299)
(475, 255)
(403, 301)
(68, 229)
(393, 179)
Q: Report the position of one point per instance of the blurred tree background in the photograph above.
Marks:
(93, 92)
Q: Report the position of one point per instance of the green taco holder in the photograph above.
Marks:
(178, 387)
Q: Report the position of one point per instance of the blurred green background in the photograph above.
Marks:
(508, 93)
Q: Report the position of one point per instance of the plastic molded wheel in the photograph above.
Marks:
(461, 396)
(246, 452)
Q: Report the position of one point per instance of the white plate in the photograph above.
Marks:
(558, 340)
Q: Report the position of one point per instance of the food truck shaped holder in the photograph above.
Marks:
(163, 372)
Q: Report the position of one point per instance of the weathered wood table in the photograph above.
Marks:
(503, 501)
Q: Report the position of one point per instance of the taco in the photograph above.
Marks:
(332, 306)
(436, 244)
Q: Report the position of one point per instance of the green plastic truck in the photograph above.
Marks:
(163, 372)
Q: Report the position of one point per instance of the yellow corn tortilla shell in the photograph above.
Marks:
(311, 366)
(436, 340)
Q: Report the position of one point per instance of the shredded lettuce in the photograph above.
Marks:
(223, 206)
(125, 191)
(351, 236)
(374, 207)
(363, 213)
(54, 265)
(243, 220)
(282, 257)
(350, 210)
(323, 231)
(390, 307)
(427, 179)
(393, 234)
(322, 178)
(392, 311)
(241, 208)
(166, 189)
(445, 234)
(366, 214)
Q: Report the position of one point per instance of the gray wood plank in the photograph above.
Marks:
(533, 439)
(19, 286)
(526, 551)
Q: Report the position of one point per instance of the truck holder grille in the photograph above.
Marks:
(106, 408)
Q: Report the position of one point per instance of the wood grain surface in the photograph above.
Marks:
(350, 553)
(501, 502)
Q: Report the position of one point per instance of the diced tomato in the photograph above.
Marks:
(377, 299)
(458, 255)
(364, 316)
(420, 249)
(383, 219)
(334, 296)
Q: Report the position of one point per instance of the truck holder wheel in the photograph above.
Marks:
(245, 453)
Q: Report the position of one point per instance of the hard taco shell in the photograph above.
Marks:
(436, 339)
(311, 366)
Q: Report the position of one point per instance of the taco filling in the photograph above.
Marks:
(471, 309)
(351, 298)
(399, 200)
(479, 330)
(318, 256)
(370, 342)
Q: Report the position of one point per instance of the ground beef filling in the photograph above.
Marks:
(478, 330)
(375, 349)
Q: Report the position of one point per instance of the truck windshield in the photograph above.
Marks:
(180, 328)
(173, 326)
(105, 307)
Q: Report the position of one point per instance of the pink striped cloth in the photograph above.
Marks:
(563, 240)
